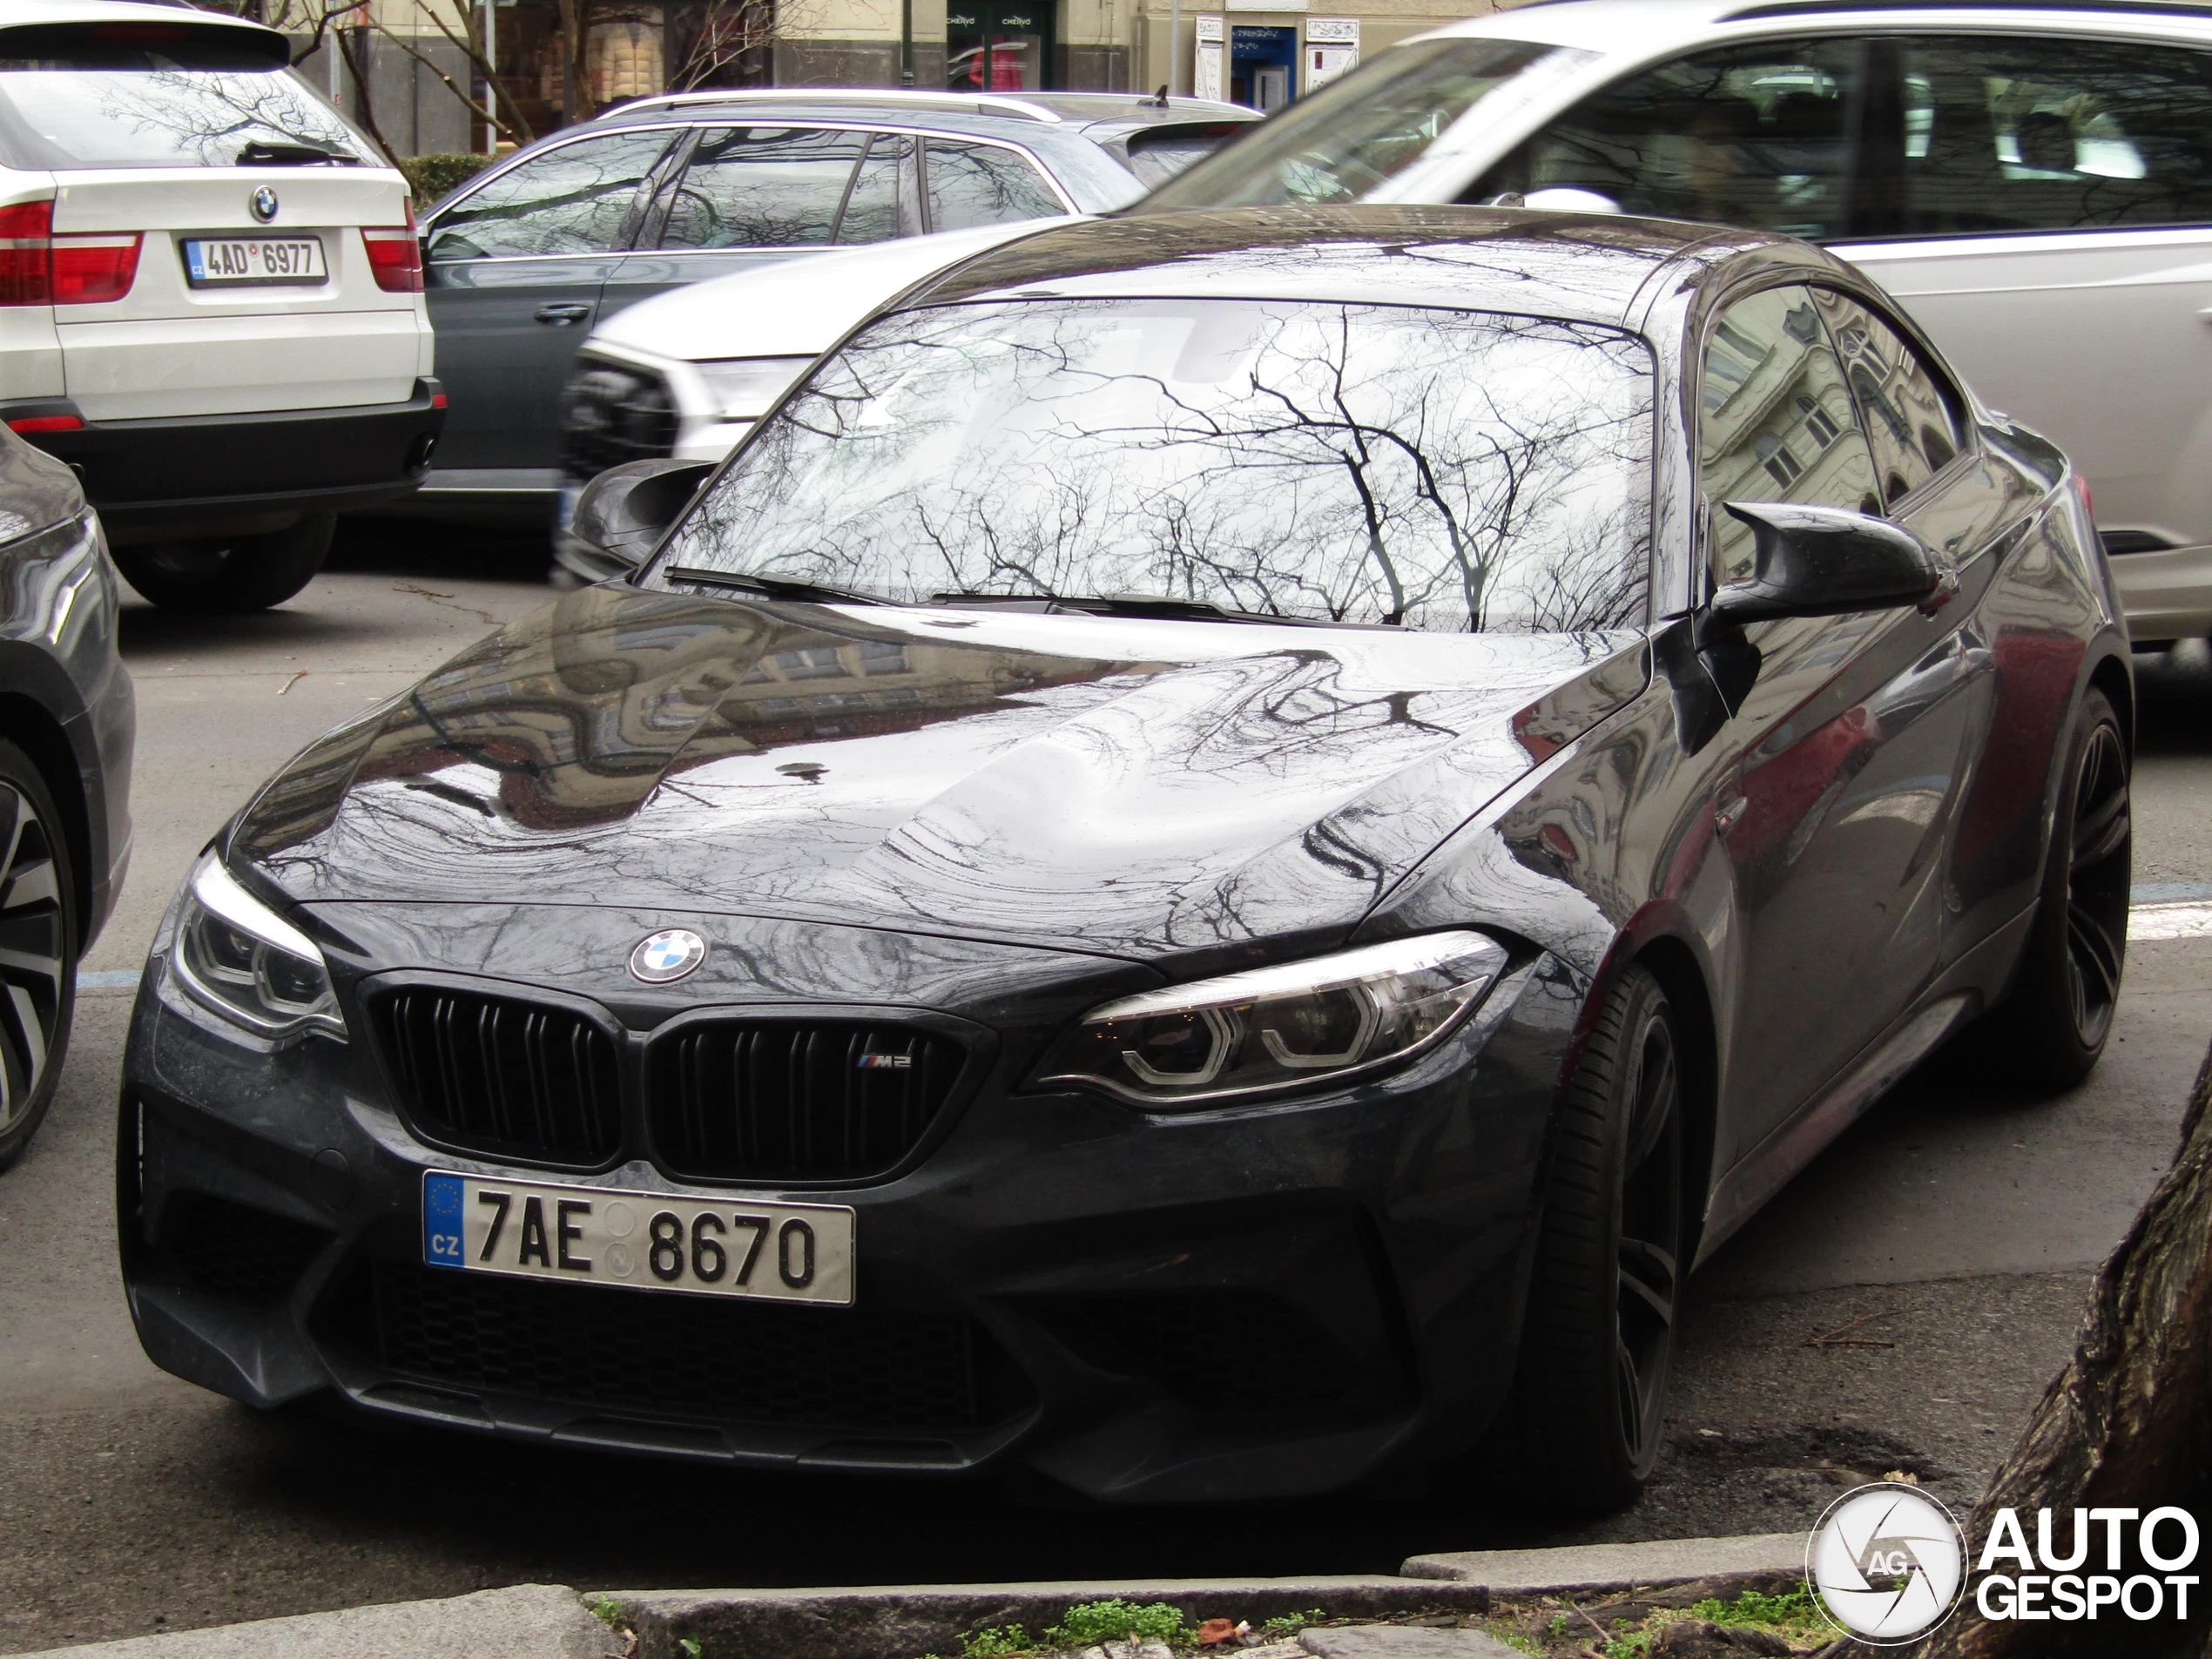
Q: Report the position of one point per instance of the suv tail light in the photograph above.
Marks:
(395, 257)
(39, 268)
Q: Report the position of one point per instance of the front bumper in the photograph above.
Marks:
(1264, 1302)
(2166, 592)
(167, 476)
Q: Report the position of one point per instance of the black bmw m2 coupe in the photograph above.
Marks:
(1365, 783)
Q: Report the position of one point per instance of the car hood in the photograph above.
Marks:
(794, 307)
(1122, 786)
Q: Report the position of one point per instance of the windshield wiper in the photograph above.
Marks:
(1135, 604)
(770, 587)
(259, 153)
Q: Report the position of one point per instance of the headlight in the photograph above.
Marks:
(742, 387)
(1303, 1023)
(237, 956)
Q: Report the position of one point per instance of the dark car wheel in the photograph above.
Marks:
(37, 950)
(1591, 1389)
(244, 573)
(2049, 1032)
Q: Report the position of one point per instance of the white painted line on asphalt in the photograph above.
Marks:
(2170, 922)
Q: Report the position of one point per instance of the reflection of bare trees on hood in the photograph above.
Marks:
(1447, 470)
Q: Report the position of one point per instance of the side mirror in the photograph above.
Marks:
(1824, 562)
(623, 513)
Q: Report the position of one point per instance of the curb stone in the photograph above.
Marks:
(1617, 1566)
(521, 1621)
(904, 1622)
(550, 1621)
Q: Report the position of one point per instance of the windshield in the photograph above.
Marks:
(1340, 143)
(1442, 469)
(160, 114)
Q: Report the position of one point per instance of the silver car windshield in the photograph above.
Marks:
(1342, 143)
(1439, 470)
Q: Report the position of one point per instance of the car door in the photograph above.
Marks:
(513, 272)
(2050, 225)
(1849, 745)
(752, 196)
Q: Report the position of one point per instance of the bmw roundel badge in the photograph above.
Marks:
(264, 204)
(663, 958)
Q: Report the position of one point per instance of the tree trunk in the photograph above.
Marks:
(2127, 1424)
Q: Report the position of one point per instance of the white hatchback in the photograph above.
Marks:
(211, 295)
(2033, 181)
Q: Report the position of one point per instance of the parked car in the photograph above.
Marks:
(523, 261)
(686, 374)
(2034, 182)
(211, 293)
(1211, 787)
(66, 721)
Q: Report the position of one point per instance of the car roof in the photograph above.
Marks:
(1589, 267)
(14, 12)
(980, 112)
(1628, 27)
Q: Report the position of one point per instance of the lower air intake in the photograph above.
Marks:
(692, 1358)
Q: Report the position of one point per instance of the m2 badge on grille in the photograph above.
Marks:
(648, 1241)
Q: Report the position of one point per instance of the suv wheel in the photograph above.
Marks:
(245, 573)
(1591, 1388)
(37, 950)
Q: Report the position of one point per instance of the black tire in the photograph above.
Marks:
(38, 932)
(241, 573)
(1588, 1415)
(2048, 1033)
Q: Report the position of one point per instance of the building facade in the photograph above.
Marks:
(426, 60)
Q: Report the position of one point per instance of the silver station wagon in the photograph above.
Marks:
(2033, 182)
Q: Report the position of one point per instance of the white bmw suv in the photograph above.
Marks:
(211, 295)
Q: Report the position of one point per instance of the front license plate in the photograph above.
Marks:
(649, 1241)
(259, 261)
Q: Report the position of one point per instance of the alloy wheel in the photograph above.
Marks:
(1649, 1276)
(2097, 877)
(34, 960)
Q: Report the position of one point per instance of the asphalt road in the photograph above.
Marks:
(1944, 1245)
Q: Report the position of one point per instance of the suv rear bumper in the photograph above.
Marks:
(174, 472)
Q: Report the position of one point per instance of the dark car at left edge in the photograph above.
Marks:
(1360, 783)
(68, 718)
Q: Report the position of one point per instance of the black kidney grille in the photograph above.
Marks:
(793, 1101)
(698, 1358)
(525, 1080)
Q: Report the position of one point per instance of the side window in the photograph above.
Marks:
(984, 183)
(1911, 417)
(2013, 133)
(872, 210)
(763, 187)
(1755, 135)
(1776, 422)
(571, 199)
